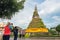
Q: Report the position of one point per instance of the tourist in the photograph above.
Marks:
(11, 27)
(7, 32)
(15, 31)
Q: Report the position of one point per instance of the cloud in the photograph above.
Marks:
(56, 18)
(54, 21)
(48, 7)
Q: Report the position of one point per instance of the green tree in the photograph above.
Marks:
(52, 32)
(58, 28)
(9, 7)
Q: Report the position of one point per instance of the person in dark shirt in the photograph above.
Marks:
(15, 32)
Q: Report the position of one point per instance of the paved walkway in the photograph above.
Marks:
(42, 38)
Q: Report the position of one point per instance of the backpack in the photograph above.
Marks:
(11, 28)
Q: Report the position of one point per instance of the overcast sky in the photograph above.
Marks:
(48, 10)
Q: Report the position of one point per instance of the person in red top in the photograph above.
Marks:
(7, 32)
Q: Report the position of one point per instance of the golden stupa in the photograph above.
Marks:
(36, 25)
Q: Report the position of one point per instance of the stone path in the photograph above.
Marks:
(42, 38)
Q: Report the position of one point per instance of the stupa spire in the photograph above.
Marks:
(35, 15)
(35, 7)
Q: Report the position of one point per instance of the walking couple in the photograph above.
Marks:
(7, 31)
